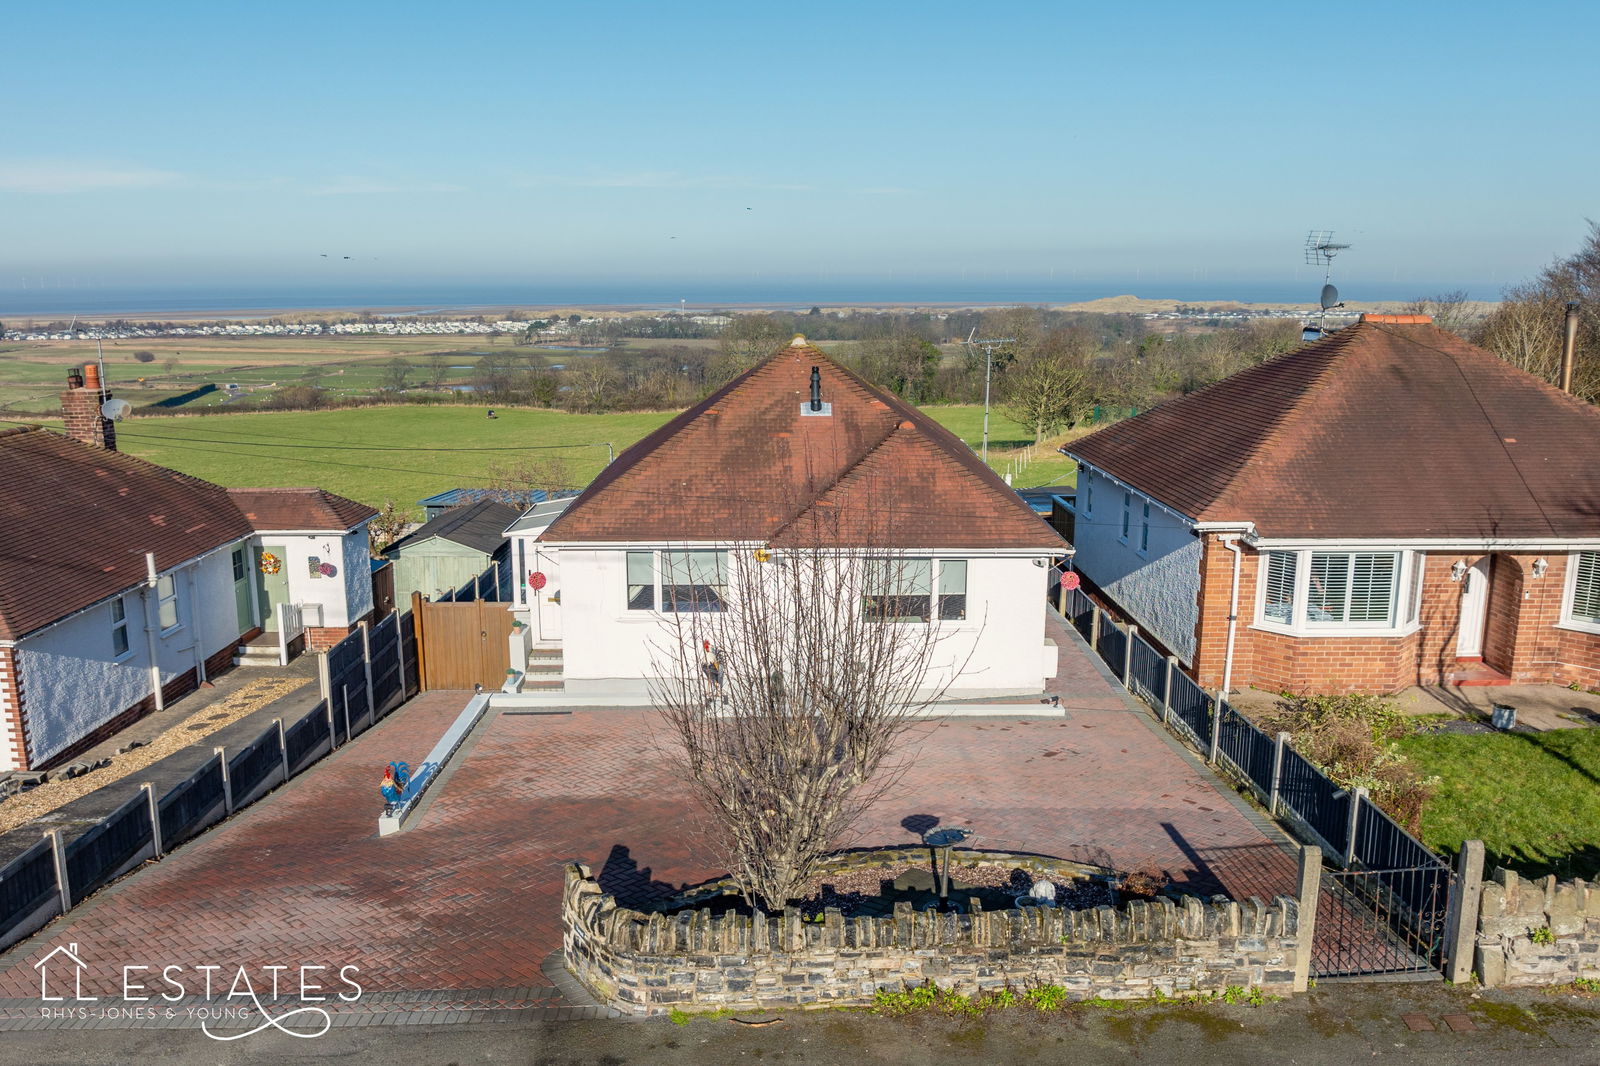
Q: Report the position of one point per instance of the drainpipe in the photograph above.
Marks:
(194, 609)
(1232, 544)
(150, 583)
(1569, 346)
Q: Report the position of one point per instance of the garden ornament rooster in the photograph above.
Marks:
(395, 778)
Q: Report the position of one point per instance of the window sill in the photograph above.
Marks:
(1574, 625)
(171, 631)
(1344, 632)
(118, 660)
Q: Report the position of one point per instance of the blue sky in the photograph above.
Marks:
(180, 143)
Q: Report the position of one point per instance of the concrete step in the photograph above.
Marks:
(256, 655)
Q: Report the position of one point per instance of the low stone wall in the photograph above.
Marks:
(1513, 909)
(649, 963)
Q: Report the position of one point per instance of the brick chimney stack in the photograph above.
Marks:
(80, 407)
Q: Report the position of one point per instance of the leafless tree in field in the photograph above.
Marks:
(788, 679)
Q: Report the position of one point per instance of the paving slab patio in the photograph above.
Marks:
(468, 899)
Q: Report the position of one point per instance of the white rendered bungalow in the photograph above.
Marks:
(793, 444)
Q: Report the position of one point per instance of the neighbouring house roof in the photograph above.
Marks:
(526, 497)
(480, 526)
(539, 516)
(313, 510)
(745, 464)
(76, 521)
(1390, 428)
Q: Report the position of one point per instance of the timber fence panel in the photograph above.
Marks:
(192, 804)
(250, 768)
(109, 847)
(27, 888)
(306, 739)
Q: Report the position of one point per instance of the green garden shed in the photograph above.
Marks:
(450, 550)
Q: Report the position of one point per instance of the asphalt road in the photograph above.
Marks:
(1335, 1024)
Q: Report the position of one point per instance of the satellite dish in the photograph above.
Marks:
(115, 409)
(1330, 297)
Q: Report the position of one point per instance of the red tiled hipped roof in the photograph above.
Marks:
(745, 464)
(316, 510)
(77, 520)
(1390, 428)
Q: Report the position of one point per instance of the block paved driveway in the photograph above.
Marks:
(468, 899)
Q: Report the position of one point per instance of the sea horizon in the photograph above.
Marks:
(443, 298)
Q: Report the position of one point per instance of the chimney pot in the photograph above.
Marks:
(91, 376)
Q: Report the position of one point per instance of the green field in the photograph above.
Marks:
(1530, 797)
(405, 453)
(33, 372)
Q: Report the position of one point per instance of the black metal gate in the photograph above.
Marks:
(1372, 922)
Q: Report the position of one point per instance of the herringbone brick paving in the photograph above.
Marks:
(469, 897)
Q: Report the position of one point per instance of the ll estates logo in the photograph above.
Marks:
(228, 996)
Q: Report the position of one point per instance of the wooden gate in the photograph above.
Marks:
(462, 644)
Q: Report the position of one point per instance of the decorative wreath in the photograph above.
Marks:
(270, 564)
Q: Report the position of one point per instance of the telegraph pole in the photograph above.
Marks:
(988, 347)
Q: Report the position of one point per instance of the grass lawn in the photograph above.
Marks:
(1532, 798)
(404, 453)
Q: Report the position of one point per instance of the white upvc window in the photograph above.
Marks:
(1581, 602)
(1086, 477)
(915, 590)
(167, 602)
(1127, 514)
(1319, 593)
(677, 581)
(1144, 530)
(119, 629)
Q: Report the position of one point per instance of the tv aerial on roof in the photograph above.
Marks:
(1320, 250)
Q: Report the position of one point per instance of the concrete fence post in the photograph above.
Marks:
(1277, 772)
(1308, 892)
(325, 680)
(154, 805)
(1461, 919)
(1061, 600)
(1216, 727)
(1127, 656)
(227, 781)
(1166, 691)
(1094, 628)
(344, 701)
(58, 851)
(366, 665)
(400, 653)
(1356, 797)
(283, 748)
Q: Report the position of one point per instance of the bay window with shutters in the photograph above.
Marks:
(1581, 606)
(1344, 593)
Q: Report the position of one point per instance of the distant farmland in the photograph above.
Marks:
(405, 453)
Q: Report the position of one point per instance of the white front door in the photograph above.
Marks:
(546, 602)
(1474, 609)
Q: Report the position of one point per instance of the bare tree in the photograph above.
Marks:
(394, 373)
(1526, 329)
(514, 481)
(1450, 311)
(438, 368)
(788, 679)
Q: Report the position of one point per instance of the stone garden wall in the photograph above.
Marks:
(649, 963)
(1516, 914)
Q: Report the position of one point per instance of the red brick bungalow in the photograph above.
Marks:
(1389, 506)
